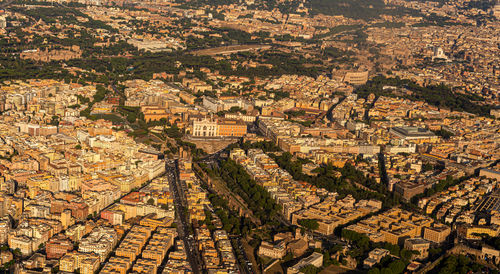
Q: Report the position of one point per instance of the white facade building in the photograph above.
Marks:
(205, 128)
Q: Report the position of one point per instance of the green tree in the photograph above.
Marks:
(397, 266)
(310, 269)
(427, 167)
(17, 252)
(55, 120)
(406, 254)
(310, 224)
(100, 94)
(131, 117)
(386, 271)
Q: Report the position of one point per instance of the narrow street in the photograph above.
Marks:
(183, 225)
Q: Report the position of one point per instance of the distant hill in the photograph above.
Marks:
(357, 9)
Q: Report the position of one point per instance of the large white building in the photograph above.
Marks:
(239, 116)
(216, 105)
(439, 54)
(205, 128)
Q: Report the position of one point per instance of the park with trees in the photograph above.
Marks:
(440, 95)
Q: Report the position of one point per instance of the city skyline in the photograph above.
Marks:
(255, 136)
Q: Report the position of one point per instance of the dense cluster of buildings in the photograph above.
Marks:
(284, 243)
(67, 175)
(411, 46)
(396, 225)
(214, 245)
(150, 242)
(301, 200)
(154, 199)
(460, 203)
(94, 197)
(216, 250)
(58, 179)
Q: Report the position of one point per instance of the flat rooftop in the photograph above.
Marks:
(413, 132)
